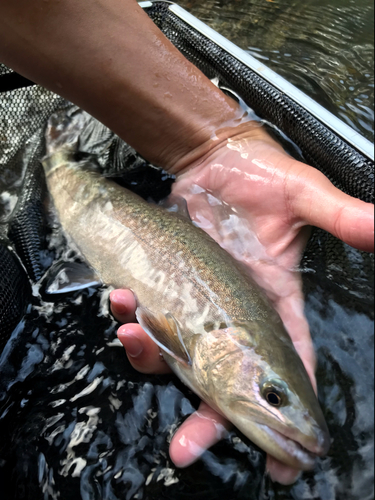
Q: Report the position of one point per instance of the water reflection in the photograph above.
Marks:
(78, 422)
(325, 49)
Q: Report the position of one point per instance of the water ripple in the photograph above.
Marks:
(324, 49)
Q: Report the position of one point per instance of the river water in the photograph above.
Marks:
(325, 48)
(77, 422)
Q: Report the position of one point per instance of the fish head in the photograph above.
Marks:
(260, 384)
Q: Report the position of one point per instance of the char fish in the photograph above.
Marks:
(218, 331)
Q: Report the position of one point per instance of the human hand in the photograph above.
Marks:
(275, 197)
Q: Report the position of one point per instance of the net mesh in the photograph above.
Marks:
(14, 292)
(23, 116)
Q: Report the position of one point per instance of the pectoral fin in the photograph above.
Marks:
(166, 332)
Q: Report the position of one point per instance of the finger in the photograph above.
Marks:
(286, 287)
(143, 353)
(315, 200)
(123, 305)
(291, 310)
(200, 431)
(281, 473)
(306, 352)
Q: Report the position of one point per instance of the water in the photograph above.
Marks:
(324, 48)
(78, 422)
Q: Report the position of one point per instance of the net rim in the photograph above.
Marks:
(329, 120)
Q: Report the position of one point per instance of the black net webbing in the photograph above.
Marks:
(24, 112)
(14, 292)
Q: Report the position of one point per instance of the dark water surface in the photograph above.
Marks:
(77, 422)
(325, 48)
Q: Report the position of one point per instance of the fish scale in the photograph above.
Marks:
(151, 239)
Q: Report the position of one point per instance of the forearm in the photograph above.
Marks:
(108, 57)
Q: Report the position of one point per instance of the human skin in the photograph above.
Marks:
(109, 58)
(280, 198)
(112, 60)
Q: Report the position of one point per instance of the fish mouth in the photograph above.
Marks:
(293, 452)
(289, 444)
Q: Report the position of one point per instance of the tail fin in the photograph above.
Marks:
(76, 130)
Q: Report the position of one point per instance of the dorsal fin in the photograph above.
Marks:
(176, 204)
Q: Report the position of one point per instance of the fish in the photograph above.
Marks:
(217, 329)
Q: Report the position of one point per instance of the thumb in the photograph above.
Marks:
(319, 203)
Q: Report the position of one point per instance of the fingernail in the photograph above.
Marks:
(132, 344)
(117, 304)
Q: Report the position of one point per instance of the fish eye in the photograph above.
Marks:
(273, 399)
(275, 394)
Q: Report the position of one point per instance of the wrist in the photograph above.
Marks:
(241, 132)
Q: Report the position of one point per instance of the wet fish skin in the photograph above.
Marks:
(218, 331)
